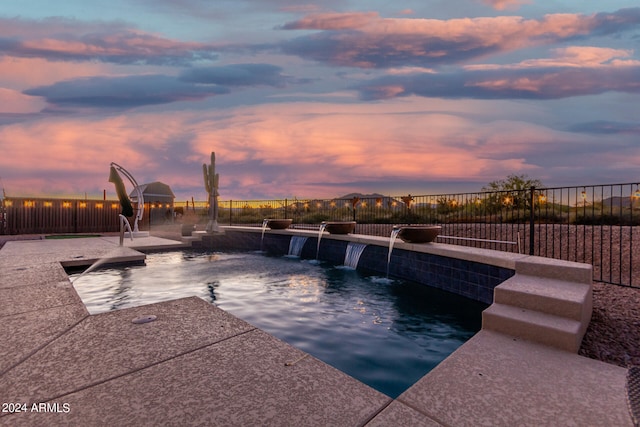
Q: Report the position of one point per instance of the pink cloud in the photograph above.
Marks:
(570, 71)
(506, 4)
(487, 30)
(291, 148)
(68, 39)
(26, 28)
(15, 102)
(27, 72)
(334, 21)
(590, 56)
(368, 40)
(24, 73)
(257, 147)
(351, 142)
(572, 56)
(126, 43)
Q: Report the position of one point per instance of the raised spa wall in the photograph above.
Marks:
(538, 299)
(421, 263)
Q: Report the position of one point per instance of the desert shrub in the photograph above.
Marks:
(314, 218)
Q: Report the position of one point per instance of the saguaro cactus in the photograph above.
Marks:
(211, 185)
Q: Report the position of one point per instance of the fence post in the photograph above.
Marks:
(3, 218)
(532, 219)
(230, 212)
(75, 216)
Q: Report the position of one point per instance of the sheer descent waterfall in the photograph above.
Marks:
(295, 245)
(352, 254)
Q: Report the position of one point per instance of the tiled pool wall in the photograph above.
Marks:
(467, 278)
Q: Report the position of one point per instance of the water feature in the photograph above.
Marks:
(387, 336)
(264, 228)
(392, 240)
(295, 245)
(109, 257)
(320, 231)
(352, 254)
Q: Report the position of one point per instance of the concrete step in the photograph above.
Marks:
(555, 269)
(189, 240)
(555, 331)
(551, 296)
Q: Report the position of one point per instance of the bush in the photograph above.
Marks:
(314, 218)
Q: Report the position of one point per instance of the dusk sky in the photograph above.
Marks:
(317, 99)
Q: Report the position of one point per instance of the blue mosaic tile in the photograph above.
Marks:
(470, 279)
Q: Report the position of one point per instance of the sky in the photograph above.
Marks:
(317, 99)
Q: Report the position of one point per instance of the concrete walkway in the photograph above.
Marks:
(198, 365)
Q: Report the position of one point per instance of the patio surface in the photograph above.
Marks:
(198, 365)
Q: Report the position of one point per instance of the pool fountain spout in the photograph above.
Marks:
(273, 224)
(264, 228)
(323, 225)
(392, 240)
(113, 255)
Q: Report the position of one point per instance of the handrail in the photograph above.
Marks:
(474, 239)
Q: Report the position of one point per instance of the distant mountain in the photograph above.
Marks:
(617, 201)
(372, 198)
(361, 196)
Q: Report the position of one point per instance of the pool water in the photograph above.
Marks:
(387, 334)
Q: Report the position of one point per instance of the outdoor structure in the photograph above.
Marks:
(159, 199)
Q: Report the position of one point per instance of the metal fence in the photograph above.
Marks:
(20, 215)
(28, 215)
(595, 224)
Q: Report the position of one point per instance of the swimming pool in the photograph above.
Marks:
(387, 334)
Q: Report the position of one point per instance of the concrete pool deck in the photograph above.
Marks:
(197, 365)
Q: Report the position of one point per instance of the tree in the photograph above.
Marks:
(513, 183)
(513, 192)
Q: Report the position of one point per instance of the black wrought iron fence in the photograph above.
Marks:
(592, 224)
(595, 224)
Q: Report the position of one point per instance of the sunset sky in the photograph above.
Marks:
(317, 99)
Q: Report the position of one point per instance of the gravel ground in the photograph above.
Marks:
(613, 335)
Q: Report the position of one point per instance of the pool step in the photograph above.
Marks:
(568, 271)
(550, 296)
(532, 325)
(552, 307)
